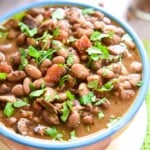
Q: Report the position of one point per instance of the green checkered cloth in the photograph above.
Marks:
(146, 144)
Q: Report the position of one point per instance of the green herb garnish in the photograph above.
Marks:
(19, 103)
(3, 76)
(19, 16)
(37, 93)
(87, 11)
(139, 83)
(9, 109)
(53, 133)
(88, 98)
(73, 135)
(56, 32)
(70, 95)
(70, 59)
(93, 84)
(29, 32)
(63, 79)
(58, 14)
(100, 115)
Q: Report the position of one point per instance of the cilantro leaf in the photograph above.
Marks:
(70, 59)
(53, 133)
(70, 95)
(101, 101)
(112, 120)
(139, 83)
(33, 52)
(58, 14)
(19, 103)
(73, 135)
(56, 32)
(3, 76)
(29, 32)
(67, 106)
(19, 16)
(63, 79)
(37, 93)
(88, 98)
(100, 115)
(9, 109)
(98, 36)
(93, 84)
(87, 11)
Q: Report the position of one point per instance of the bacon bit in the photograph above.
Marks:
(4, 67)
(82, 44)
(63, 36)
(54, 73)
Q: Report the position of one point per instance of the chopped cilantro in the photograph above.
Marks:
(126, 37)
(112, 120)
(73, 135)
(87, 11)
(9, 109)
(70, 59)
(3, 76)
(98, 36)
(67, 106)
(70, 95)
(58, 14)
(71, 39)
(33, 52)
(93, 84)
(19, 16)
(53, 133)
(100, 101)
(19, 103)
(29, 32)
(88, 98)
(56, 32)
(37, 93)
(63, 79)
(139, 83)
(100, 115)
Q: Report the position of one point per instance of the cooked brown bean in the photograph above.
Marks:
(127, 94)
(17, 90)
(23, 126)
(26, 85)
(79, 71)
(4, 88)
(73, 120)
(16, 76)
(62, 96)
(33, 71)
(27, 114)
(12, 34)
(83, 89)
(7, 48)
(115, 67)
(124, 70)
(31, 41)
(58, 60)
(135, 67)
(21, 39)
(50, 118)
(130, 44)
(116, 49)
(39, 18)
(38, 83)
(106, 73)
(50, 94)
(16, 58)
(106, 104)
(7, 98)
(125, 85)
(97, 64)
(134, 79)
(45, 65)
(106, 20)
(40, 129)
(11, 121)
(63, 52)
(88, 118)
(99, 25)
(33, 62)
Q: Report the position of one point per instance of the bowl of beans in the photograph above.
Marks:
(71, 75)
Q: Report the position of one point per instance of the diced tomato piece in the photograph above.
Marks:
(4, 67)
(54, 73)
(62, 36)
(82, 44)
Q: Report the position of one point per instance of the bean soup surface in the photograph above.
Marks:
(65, 72)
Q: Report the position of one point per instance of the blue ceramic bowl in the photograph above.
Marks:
(98, 136)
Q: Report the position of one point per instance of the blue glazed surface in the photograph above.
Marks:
(96, 137)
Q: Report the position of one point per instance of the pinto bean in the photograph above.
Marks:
(4, 88)
(98, 14)
(39, 18)
(130, 44)
(26, 85)
(11, 121)
(82, 32)
(88, 118)
(50, 117)
(21, 39)
(124, 71)
(17, 90)
(135, 67)
(33, 71)
(134, 79)
(79, 71)
(127, 94)
(38, 83)
(62, 52)
(7, 48)
(31, 41)
(83, 89)
(2, 57)
(62, 96)
(58, 60)
(16, 58)
(50, 92)
(99, 25)
(27, 114)
(97, 64)
(73, 120)
(116, 49)
(23, 126)
(7, 98)
(45, 65)
(16, 76)
(12, 34)
(40, 129)
(125, 85)
(115, 67)
(106, 73)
